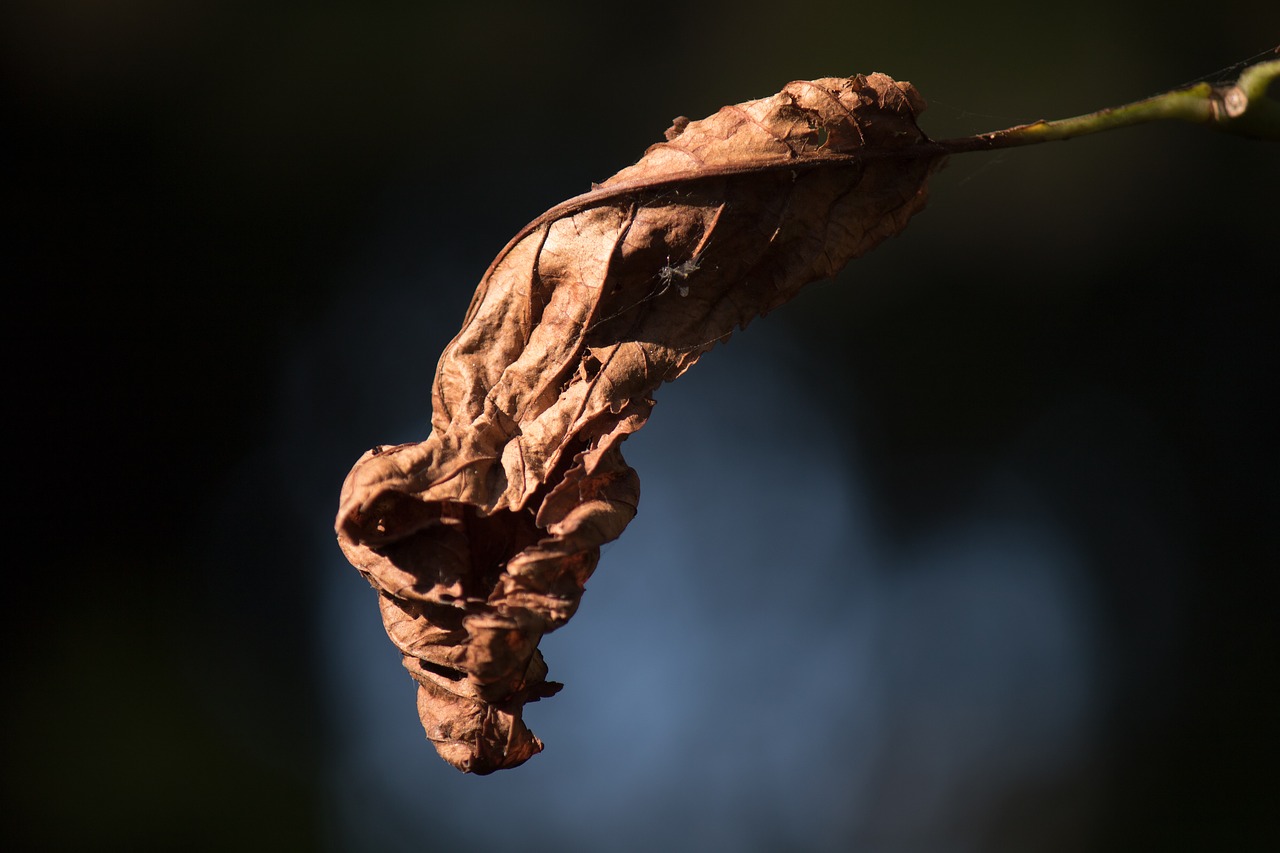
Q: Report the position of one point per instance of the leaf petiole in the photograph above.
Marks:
(1242, 108)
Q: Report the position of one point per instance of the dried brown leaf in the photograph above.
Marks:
(479, 540)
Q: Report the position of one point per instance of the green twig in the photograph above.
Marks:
(1241, 107)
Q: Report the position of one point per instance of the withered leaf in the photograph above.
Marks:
(480, 538)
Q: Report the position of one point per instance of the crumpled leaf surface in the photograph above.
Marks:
(480, 538)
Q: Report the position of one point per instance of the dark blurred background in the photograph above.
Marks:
(973, 548)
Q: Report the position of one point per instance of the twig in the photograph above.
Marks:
(1241, 108)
